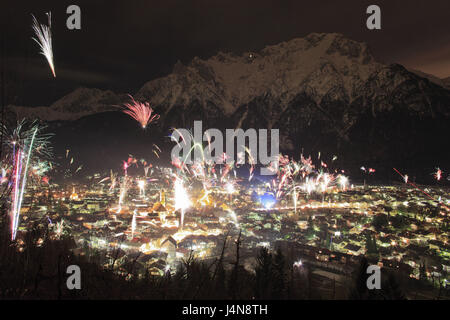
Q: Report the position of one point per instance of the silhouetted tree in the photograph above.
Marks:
(391, 289)
(371, 244)
(263, 274)
(310, 228)
(279, 276)
(359, 290)
(379, 221)
(233, 287)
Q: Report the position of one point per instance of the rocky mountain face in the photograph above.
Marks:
(445, 82)
(321, 66)
(324, 92)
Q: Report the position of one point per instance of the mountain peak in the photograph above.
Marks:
(323, 69)
(77, 104)
(229, 80)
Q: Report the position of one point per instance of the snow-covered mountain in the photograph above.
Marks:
(324, 92)
(316, 65)
(320, 66)
(323, 85)
(79, 103)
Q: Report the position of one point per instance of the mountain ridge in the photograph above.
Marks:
(230, 80)
(324, 92)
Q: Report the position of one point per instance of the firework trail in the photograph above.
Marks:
(26, 146)
(125, 168)
(251, 161)
(181, 199)
(113, 181)
(59, 228)
(202, 169)
(68, 167)
(44, 39)
(21, 135)
(139, 111)
(103, 180)
(420, 189)
(141, 185)
(438, 174)
(146, 170)
(157, 150)
(19, 188)
(342, 181)
(294, 199)
(309, 185)
(229, 187)
(133, 224)
(147, 166)
(4, 176)
(15, 192)
(369, 171)
(326, 179)
(123, 192)
(127, 164)
(113, 178)
(307, 166)
(199, 167)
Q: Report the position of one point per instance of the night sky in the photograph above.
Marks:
(122, 45)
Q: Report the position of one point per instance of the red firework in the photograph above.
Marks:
(140, 111)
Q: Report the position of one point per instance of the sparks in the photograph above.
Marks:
(44, 40)
(122, 194)
(181, 199)
(438, 174)
(19, 187)
(298, 264)
(141, 185)
(343, 181)
(133, 224)
(140, 111)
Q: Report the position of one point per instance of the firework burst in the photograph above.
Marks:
(19, 183)
(25, 147)
(342, 181)
(44, 39)
(140, 111)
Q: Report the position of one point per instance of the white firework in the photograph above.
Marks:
(44, 39)
(133, 224)
(181, 199)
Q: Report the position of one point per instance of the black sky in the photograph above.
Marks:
(123, 44)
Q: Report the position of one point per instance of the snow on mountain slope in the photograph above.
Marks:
(77, 104)
(317, 62)
(320, 76)
(324, 92)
